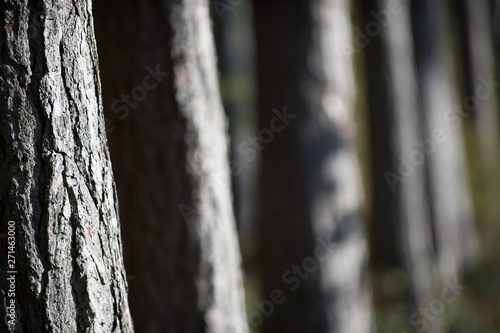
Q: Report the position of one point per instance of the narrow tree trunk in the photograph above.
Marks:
(226, 65)
(313, 244)
(402, 234)
(170, 152)
(56, 182)
(479, 49)
(479, 64)
(495, 5)
(449, 198)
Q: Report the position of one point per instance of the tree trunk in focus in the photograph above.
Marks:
(312, 231)
(170, 152)
(56, 182)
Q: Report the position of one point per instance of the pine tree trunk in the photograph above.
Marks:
(227, 63)
(170, 152)
(450, 202)
(479, 64)
(402, 233)
(313, 245)
(480, 47)
(56, 182)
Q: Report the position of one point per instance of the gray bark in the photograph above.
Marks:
(310, 192)
(56, 182)
(402, 233)
(170, 153)
(479, 61)
(449, 199)
(479, 36)
(227, 66)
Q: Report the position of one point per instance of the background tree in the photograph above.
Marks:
(478, 63)
(401, 230)
(170, 154)
(449, 194)
(56, 182)
(476, 36)
(310, 184)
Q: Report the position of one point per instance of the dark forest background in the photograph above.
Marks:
(413, 67)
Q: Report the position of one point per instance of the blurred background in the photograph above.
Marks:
(366, 130)
(463, 37)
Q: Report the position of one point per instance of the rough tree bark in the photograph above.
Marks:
(451, 208)
(312, 230)
(402, 233)
(170, 153)
(56, 182)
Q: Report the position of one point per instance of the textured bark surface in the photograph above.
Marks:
(402, 233)
(451, 208)
(310, 187)
(56, 181)
(170, 153)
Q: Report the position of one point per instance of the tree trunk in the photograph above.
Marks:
(402, 234)
(170, 153)
(313, 247)
(479, 36)
(227, 66)
(450, 202)
(56, 183)
(479, 64)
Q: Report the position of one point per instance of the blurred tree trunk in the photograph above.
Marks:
(449, 198)
(236, 64)
(56, 182)
(496, 31)
(402, 234)
(170, 154)
(479, 64)
(479, 49)
(312, 230)
(226, 65)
